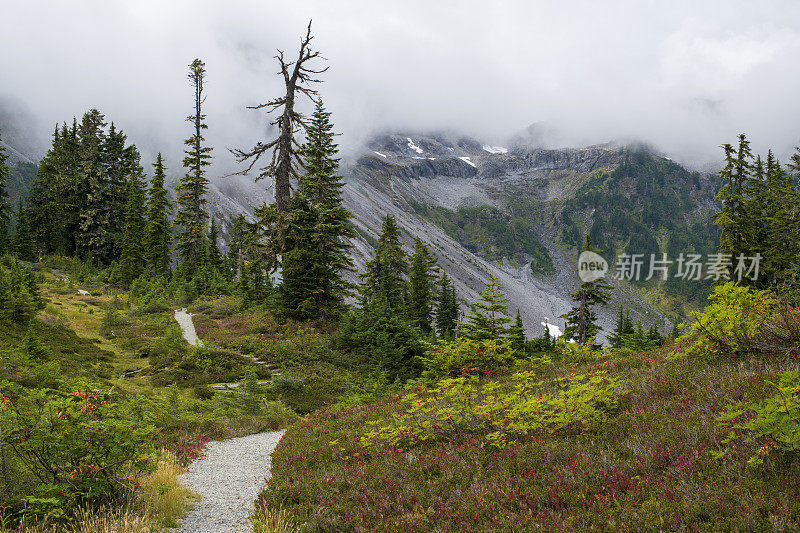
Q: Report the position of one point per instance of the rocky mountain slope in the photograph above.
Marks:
(517, 212)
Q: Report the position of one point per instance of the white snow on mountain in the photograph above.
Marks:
(495, 149)
(414, 146)
(554, 330)
(467, 161)
(380, 154)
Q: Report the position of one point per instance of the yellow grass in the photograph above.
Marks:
(163, 494)
(266, 520)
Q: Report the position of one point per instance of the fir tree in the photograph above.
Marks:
(214, 255)
(489, 316)
(324, 257)
(516, 333)
(622, 327)
(94, 236)
(384, 275)
(132, 260)
(422, 285)
(732, 219)
(447, 307)
(120, 163)
(301, 269)
(57, 196)
(157, 233)
(581, 320)
(5, 207)
(192, 216)
(241, 236)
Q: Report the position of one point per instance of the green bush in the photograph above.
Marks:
(463, 355)
(169, 347)
(774, 422)
(502, 412)
(84, 446)
(733, 318)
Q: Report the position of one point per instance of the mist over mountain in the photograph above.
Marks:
(685, 77)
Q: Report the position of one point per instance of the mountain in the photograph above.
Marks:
(23, 170)
(520, 213)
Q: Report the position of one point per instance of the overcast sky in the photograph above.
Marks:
(683, 75)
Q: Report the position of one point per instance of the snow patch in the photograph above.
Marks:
(467, 161)
(554, 330)
(495, 149)
(414, 146)
(83, 292)
(380, 154)
(428, 158)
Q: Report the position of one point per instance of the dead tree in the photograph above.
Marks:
(285, 150)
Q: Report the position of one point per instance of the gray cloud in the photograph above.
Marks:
(685, 76)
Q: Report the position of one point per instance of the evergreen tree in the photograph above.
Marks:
(132, 260)
(516, 334)
(384, 275)
(489, 316)
(5, 208)
(214, 255)
(21, 241)
(422, 286)
(447, 308)
(57, 196)
(192, 216)
(732, 219)
(581, 320)
(301, 269)
(654, 336)
(622, 327)
(120, 163)
(157, 233)
(320, 257)
(240, 243)
(94, 237)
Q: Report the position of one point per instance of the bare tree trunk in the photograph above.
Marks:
(283, 166)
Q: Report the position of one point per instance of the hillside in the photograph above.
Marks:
(699, 435)
(520, 213)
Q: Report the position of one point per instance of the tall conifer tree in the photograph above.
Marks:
(581, 321)
(157, 234)
(94, 237)
(446, 308)
(321, 257)
(489, 318)
(384, 275)
(192, 215)
(132, 260)
(422, 281)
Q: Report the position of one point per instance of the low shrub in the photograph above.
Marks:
(773, 423)
(480, 357)
(84, 446)
(502, 411)
(727, 326)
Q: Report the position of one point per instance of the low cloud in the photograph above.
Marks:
(684, 77)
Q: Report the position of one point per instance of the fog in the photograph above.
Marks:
(684, 76)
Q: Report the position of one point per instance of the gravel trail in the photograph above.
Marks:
(229, 479)
(187, 326)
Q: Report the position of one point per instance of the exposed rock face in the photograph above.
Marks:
(397, 173)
